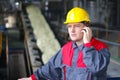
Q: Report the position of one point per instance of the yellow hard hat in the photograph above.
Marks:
(77, 14)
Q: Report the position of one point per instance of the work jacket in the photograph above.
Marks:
(85, 62)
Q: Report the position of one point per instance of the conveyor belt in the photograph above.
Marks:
(23, 54)
(46, 40)
(34, 54)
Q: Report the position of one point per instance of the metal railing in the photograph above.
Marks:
(110, 37)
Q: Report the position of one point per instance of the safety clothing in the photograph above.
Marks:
(77, 14)
(85, 62)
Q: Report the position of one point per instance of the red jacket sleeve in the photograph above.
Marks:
(33, 77)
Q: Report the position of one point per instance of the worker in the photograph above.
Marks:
(82, 58)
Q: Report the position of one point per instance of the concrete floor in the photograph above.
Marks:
(114, 69)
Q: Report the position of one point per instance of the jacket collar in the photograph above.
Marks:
(79, 47)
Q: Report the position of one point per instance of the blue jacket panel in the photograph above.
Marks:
(84, 62)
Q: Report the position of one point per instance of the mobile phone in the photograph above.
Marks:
(84, 30)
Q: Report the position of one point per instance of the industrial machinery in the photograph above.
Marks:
(15, 46)
(20, 54)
